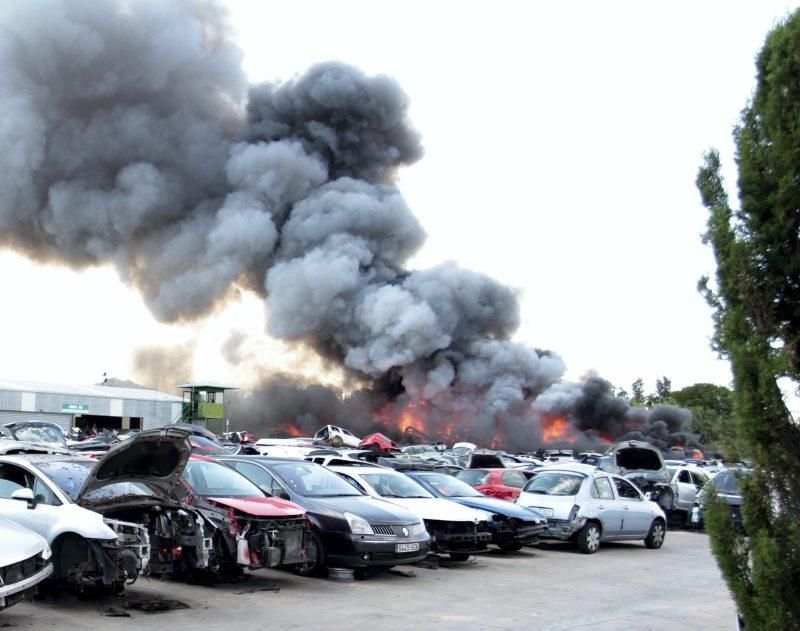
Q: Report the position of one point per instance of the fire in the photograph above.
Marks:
(557, 430)
(408, 420)
(291, 430)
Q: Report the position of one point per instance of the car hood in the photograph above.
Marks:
(500, 507)
(485, 459)
(439, 509)
(375, 511)
(155, 457)
(635, 456)
(260, 506)
(18, 543)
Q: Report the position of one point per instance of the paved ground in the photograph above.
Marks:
(623, 586)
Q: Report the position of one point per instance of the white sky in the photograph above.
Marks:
(562, 143)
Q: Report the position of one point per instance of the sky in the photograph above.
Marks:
(562, 141)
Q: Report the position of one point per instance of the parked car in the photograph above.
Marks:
(337, 437)
(454, 529)
(135, 484)
(686, 483)
(250, 530)
(503, 484)
(89, 551)
(24, 563)
(589, 506)
(350, 528)
(726, 486)
(512, 526)
(378, 443)
(36, 432)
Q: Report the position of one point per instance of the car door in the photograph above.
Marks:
(686, 490)
(636, 514)
(606, 507)
(698, 482)
(43, 517)
(514, 481)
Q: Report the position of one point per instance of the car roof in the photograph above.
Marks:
(361, 470)
(573, 467)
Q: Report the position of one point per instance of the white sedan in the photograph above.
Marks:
(454, 529)
(24, 563)
(588, 505)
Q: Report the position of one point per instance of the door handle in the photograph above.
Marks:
(625, 508)
(600, 506)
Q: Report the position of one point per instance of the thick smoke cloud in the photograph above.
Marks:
(130, 137)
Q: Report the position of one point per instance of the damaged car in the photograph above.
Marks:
(90, 552)
(454, 529)
(24, 563)
(349, 528)
(502, 484)
(587, 505)
(250, 530)
(642, 464)
(512, 526)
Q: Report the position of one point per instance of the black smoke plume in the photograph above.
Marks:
(130, 137)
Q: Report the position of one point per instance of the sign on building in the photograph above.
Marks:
(74, 408)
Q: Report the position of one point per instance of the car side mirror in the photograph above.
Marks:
(647, 496)
(25, 495)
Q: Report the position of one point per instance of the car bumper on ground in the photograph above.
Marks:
(11, 593)
(361, 551)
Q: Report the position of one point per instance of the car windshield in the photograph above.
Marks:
(449, 486)
(212, 479)
(312, 480)
(394, 485)
(554, 483)
(40, 434)
(725, 482)
(473, 476)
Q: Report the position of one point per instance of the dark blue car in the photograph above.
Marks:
(512, 527)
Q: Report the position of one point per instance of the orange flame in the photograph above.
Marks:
(557, 430)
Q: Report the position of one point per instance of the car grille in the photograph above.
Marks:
(17, 572)
(379, 529)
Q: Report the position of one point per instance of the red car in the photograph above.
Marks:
(252, 530)
(504, 484)
(378, 443)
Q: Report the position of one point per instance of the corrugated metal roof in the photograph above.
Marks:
(211, 385)
(109, 392)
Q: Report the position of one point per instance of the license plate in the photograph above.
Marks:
(406, 547)
(545, 512)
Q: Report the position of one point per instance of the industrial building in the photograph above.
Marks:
(101, 406)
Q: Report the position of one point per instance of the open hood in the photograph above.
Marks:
(485, 459)
(635, 455)
(155, 457)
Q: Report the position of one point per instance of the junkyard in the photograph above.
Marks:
(244, 385)
(545, 587)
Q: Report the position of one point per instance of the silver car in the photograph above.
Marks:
(588, 505)
(686, 482)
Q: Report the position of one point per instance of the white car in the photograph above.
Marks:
(686, 483)
(454, 529)
(42, 493)
(337, 437)
(588, 505)
(24, 563)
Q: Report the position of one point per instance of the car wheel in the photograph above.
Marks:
(315, 553)
(375, 448)
(510, 547)
(459, 556)
(588, 538)
(336, 441)
(655, 538)
(666, 500)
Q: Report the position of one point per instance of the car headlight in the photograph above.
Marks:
(46, 553)
(358, 525)
(416, 529)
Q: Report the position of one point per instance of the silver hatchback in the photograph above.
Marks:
(589, 505)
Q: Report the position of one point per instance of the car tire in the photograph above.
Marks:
(459, 556)
(666, 500)
(336, 441)
(588, 538)
(316, 565)
(510, 547)
(375, 448)
(655, 538)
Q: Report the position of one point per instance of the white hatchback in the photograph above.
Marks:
(589, 505)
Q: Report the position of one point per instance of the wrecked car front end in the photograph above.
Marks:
(458, 537)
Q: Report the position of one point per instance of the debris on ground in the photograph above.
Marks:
(113, 612)
(401, 572)
(272, 587)
(153, 604)
(430, 562)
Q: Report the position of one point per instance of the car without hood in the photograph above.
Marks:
(587, 505)
(349, 528)
(250, 530)
(337, 436)
(379, 443)
(512, 526)
(39, 432)
(454, 529)
(24, 563)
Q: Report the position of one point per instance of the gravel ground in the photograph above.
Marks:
(551, 586)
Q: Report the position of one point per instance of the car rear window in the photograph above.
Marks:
(554, 483)
(473, 477)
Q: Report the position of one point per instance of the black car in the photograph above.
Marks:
(726, 486)
(512, 526)
(349, 529)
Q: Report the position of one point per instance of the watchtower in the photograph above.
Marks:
(204, 405)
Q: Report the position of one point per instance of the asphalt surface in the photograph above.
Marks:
(549, 587)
